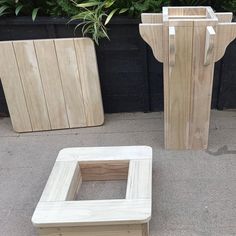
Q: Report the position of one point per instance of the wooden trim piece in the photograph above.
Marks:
(105, 153)
(209, 45)
(226, 33)
(152, 18)
(63, 183)
(172, 49)
(152, 34)
(224, 17)
(82, 213)
(105, 230)
(139, 185)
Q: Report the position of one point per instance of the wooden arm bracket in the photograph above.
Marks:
(209, 45)
(172, 49)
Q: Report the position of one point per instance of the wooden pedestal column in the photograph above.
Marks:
(188, 40)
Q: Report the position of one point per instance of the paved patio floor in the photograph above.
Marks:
(194, 192)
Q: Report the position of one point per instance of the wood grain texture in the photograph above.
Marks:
(139, 185)
(32, 85)
(101, 170)
(87, 64)
(56, 82)
(51, 81)
(71, 82)
(86, 154)
(101, 212)
(112, 230)
(152, 34)
(59, 213)
(209, 45)
(178, 91)
(13, 89)
(152, 18)
(226, 33)
(202, 79)
(63, 183)
(200, 39)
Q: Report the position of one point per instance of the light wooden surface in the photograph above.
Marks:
(189, 40)
(51, 84)
(114, 230)
(75, 165)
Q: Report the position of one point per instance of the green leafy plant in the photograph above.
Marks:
(96, 14)
(10, 7)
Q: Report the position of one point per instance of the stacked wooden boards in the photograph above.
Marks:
(188, 40)
(51, 84)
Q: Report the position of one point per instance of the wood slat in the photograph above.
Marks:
(32, 85)
(110, 230)
(87, 64)
(139, 185)
(51, 80)
(63, 183)
(13, 89)
(98, 212)
(178, 91)
(71, 82)
(86, 154)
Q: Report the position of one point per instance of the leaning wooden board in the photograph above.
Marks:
(51, 84)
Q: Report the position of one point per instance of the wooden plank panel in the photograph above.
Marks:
(63, 183)
(51, 80)
(32, 85)
(202, 79)
(71, 82)
(106, 230)
(84, 213)
(178, 91)
(139, 185)
(13, 89)
(87, 64)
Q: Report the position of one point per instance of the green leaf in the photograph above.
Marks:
(34, 13)
(3, 8)
(109, 3)
(18, 9)
(88, 4)
(110, 16)
(123, 10)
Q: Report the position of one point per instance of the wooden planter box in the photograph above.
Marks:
(193, 39)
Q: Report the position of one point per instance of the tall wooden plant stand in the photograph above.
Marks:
(188, 40)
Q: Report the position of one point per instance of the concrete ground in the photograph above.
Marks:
(194, 192)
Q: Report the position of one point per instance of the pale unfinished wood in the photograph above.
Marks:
(101, 170)
(63, 183)
(209, 45)
(55, 81)
(86, 154)
(224, 16)
(87, 64)
(139, 183)
(32, 85)
(13, 89)
(190, 40)
(113, 230)
(172, 50)
(133, 213)
(93, 212)
(152, 34)
(71, 82)
(152, 18)
(51, 81)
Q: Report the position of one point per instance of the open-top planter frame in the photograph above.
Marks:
(188, 40)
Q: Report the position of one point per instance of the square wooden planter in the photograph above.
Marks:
(188, 40)
(58, 213)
